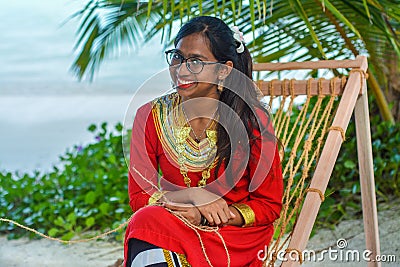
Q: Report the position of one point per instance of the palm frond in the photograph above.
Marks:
(299, 29)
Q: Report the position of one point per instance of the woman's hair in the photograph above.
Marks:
(239, 91)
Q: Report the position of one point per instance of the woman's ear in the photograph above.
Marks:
(225, 69)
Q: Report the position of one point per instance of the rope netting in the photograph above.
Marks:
(301, 124)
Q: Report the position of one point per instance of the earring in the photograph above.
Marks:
(220, 86)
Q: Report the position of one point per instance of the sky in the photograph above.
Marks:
(44, 109)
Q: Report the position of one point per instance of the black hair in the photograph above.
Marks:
(239, 92)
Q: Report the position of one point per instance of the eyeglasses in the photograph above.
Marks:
(193, 64)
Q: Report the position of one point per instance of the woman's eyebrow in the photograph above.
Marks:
(191, 54)
(197, 55)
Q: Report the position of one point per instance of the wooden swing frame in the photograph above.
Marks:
(354, 99)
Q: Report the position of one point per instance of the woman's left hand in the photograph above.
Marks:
(190, 212)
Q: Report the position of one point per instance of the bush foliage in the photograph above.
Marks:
(89, 193)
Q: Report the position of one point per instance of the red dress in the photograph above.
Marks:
(154, 224)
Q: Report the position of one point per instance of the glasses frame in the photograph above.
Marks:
(183, 59)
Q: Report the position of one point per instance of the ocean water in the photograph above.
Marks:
(44, 109)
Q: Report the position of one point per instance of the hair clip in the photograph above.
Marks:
(238, 36)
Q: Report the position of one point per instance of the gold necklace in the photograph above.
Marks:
(198, 138)
(181, 134)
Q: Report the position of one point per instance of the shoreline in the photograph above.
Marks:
(36, 130)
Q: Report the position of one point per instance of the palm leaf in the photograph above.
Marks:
(302, 31)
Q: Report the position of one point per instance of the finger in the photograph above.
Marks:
(176, 206)
(216, 218)
(206, 214)
(229, 214)
(222, 216)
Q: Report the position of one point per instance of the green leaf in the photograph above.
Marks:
(149, 5)
(89, 222)
(300, 10)
(90, 197)
(59, 221)
(349, 164)
(342, 18)
(367, 10)
(104, 208)
(68, 236)
(52, 232)
(71, 217)
(92, 128)
(112, 159)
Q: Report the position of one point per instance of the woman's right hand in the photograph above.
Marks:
(213, 207)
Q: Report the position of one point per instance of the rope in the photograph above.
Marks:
(315, 190)
(195, 228)
(298, 253)
(279, 113)
(122, 225)
(340, 129)
(363, 76)
(311, 126)
(271, 92)
(289, 113)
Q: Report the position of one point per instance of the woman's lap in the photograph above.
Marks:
(156, 225)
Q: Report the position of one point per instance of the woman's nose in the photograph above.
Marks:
(183, 69)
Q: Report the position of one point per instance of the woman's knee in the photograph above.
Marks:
(148, 214)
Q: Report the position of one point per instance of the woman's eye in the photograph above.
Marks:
(195, 61)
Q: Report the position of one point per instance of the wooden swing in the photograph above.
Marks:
(315, 147)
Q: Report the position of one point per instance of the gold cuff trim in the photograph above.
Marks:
(247, 213)
(156, 197)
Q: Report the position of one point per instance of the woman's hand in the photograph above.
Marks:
(190, 212)
(212, 207)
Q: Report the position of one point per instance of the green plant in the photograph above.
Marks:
(344, 195)
(88, 193)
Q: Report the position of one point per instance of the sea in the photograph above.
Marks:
(44, 108)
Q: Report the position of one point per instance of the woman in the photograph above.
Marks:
(220, 187)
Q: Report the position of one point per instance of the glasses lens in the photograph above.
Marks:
(195, 65)
(174, 58)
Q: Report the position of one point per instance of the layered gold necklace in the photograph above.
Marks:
(182, 134)
(174, 130)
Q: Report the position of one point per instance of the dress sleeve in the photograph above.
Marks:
(263, 206)
(143, 166)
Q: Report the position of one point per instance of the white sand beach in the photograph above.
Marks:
(46, 253)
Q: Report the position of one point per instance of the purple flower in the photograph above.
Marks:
(79, 148)
(98, 138)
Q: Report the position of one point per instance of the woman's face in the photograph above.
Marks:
(203, 84)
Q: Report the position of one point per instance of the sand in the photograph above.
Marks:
(42, 253)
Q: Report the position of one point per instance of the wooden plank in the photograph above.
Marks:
(326, 162)
(320, 64)
(299, 87)
(367, 181)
